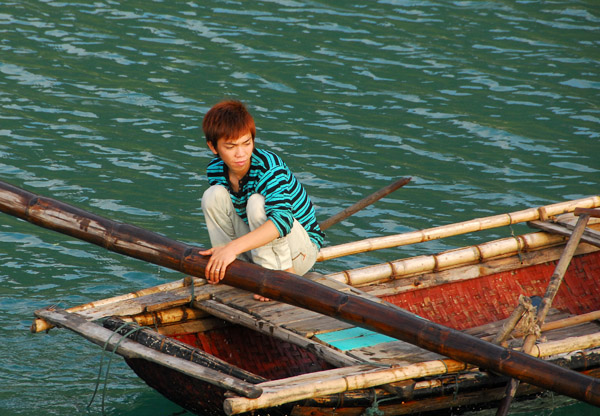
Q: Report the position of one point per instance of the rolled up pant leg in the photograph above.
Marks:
(295, 249)
(222, 221)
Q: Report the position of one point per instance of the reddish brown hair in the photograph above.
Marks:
(227, 120)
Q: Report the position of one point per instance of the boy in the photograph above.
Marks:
(255, 209)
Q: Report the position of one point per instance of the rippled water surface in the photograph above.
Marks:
(491, 107)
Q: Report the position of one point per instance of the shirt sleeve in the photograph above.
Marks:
(275, 187)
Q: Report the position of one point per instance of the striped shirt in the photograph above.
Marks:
(285, 198)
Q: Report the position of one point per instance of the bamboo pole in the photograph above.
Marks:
(531, 214)
(581, 343)
(455, 399)
(513, 320)
(351, 210)
(131, 349)
(167, 316)
(553, 286)
(306, 386)
(571, 321)
(297, 388)
(295, 290)
(447, 259)
(192, 327)
(40, 325)
(558, 324)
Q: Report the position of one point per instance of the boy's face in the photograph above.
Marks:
(235, 153)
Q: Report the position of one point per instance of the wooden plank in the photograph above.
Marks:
(306, 323)
(294, 317)
(191, 327)
(318, 324)
(298, 320)
(230, 314)
(131, 349)
(392, 353)
(589, 236)
(263, 309)
(587, 211)
(353, 338)
(228, 294)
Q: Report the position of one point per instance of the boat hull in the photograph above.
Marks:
(239, 346)
(474, 302)
(460, 305)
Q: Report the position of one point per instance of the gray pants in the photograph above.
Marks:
(224, 225)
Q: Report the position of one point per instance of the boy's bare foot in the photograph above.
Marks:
(261, 298)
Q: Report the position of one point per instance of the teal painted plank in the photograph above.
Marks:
(344, 334)
(353, 338)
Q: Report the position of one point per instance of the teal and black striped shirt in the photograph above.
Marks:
(285, 198)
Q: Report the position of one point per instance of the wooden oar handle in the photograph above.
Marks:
(353, 209)
(589, 211)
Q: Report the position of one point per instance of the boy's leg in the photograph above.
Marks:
(222, 221)
(304, 252)
(294, 250)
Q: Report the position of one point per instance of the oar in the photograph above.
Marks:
(295, 290)
(353, 209)
(551, 291)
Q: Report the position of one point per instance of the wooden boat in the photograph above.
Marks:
(214, 349)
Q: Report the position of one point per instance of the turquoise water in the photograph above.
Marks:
(491, 107)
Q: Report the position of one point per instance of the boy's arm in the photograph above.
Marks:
(223, 256)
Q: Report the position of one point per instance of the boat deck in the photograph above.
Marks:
(358, 345)
(356, 357)
(337, 342)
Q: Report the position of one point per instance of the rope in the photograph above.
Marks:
(374, 409)
(456, 385)
(110, 361)
(512, 233)
(528, 323)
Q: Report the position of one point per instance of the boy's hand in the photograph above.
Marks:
(220, 258)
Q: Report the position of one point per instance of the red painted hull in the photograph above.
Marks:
(469, 303)
(460, 305)
(240, 346)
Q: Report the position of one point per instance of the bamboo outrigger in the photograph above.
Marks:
(340, 339)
